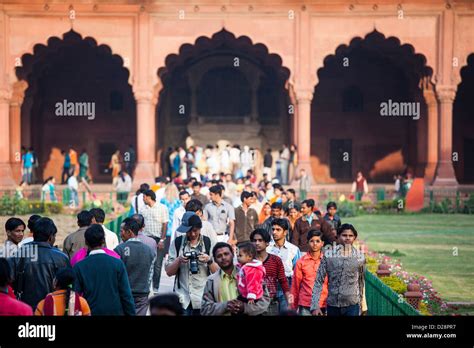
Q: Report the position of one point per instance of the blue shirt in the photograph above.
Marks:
(172, 206)
(27, 160)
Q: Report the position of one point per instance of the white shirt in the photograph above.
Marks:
(160, 193)
(141, 204)
(111, 239)
(25, 240)
(177, 217)
(288, 253)
(72, 183)
(155, 217)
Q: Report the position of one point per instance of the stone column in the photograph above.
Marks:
(303, 100)
(6, 174)
(146, 138)
(432, 130)
(445, 172)
(15, 128)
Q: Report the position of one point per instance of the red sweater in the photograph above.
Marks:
(275, 273)
(250, 279)
(10, 306)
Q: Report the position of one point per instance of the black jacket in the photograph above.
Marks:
(34, 268)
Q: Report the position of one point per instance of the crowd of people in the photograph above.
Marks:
(234, 247)
(203, 163)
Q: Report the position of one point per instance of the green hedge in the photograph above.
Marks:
(13, 206)
(451, 206)
(354, 208)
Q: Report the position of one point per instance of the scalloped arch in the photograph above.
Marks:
(402, 55)
(34, 64)
(223, 40)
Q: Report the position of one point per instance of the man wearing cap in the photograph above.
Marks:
(189, 285)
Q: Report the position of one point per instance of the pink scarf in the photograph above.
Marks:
(81, 254)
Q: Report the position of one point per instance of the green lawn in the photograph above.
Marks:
(428, 241)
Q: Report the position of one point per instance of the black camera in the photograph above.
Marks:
(193, 261)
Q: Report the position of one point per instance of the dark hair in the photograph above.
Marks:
(193, 205)
(217, 189)
(44, 228)
(84, 218)
(314, 233)
(143, 187)
(151, 194)
(47, 179)
(346, 227)
(220, 245)
(309, 202)
(283, 223)
(13, 223)
(140, 219)
(277, 205)
(318, 213)
(65, 277)
(5, 272)
(32, 220)
(245, 195)
(331, 205)
(277, 187)
(292, 191)
(98, 214)
(167, 301)
(197, 183)
(264, 233)
(131, 225)
(182, 193)
(248, 248)
(94, 236)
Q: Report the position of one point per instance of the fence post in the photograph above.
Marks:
(431, 201)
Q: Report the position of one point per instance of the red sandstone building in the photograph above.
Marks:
(262, 73)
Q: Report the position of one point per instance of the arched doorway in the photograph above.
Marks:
(350, 128)
(223, 88)
(463, 125)
(78, 95)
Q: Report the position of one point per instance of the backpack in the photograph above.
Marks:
(179, 244)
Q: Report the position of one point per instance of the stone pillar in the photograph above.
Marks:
(432, 130)
(303, 100)
(6, 174)
(445, 172)
(15, 138)
(146, 138)
(15, 128)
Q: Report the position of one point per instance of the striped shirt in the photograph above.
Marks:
(274, 274)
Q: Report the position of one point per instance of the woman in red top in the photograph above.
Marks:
(8, 305)
(305, 273)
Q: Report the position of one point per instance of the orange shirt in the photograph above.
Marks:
(73, 156)
(59, 298)
(304, 276)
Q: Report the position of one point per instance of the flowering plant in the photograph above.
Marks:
(431, 298)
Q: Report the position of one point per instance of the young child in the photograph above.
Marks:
(331, 216)
(305, 273)
(250, 275)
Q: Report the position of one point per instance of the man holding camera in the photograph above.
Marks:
(190, 261)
